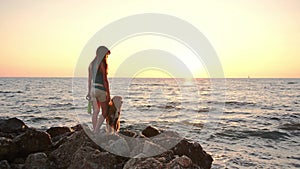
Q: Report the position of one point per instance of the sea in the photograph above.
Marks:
(242, 123)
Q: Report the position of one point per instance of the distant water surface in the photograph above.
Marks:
(259, 127)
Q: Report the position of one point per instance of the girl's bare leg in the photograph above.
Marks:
(100, 120)
(96, 110)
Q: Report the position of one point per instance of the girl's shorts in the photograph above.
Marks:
(98, 94)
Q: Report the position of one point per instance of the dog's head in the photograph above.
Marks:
(114, 109)
(117, 102)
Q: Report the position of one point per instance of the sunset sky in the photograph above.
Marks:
(256, 38)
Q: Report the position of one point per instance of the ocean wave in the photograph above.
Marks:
(61, 105)
(203, 110)
(38, 119)
(235, 112)
(53, 98)
(240, 103)
(292, 82)
(10, 92)
(194, 124)
(290, 126)
(244, 134)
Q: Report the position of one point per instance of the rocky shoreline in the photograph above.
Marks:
(22, 147)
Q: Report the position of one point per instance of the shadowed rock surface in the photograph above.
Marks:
(22, 147)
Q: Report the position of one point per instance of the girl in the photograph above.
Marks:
(98, 87)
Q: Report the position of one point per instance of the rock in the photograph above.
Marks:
(128, 133)
(12, 125)
(180, 162)
(152, 149)
(56, 131)
(63, 155)
(22, 148)
(78, 127)
(32, 141)
(166, 156)
(5, 148)
(147, 163)
(17, 166)
(150, 132)
(62, 140)
(167, 140)
(90, 158)
(118, 147)
(195, 152)
(129, 136)
(8, 135)
(4, 165)
(136, 150)
(19, 160)
(37, 161)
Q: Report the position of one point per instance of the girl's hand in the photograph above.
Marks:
(88, 96)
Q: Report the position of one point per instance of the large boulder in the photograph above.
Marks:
(62, 156)
(37, 161)
(12, 125)
(195, 152)
(32, 141)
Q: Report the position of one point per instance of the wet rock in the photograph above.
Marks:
(90, 158)
(195, 152)
(37, 161)
(56, 131)
(32, 141)
(150, 131)
(4, 165)
(12, 125)
(180, 162)
(136, 163)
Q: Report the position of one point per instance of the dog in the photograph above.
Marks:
(113, 115)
